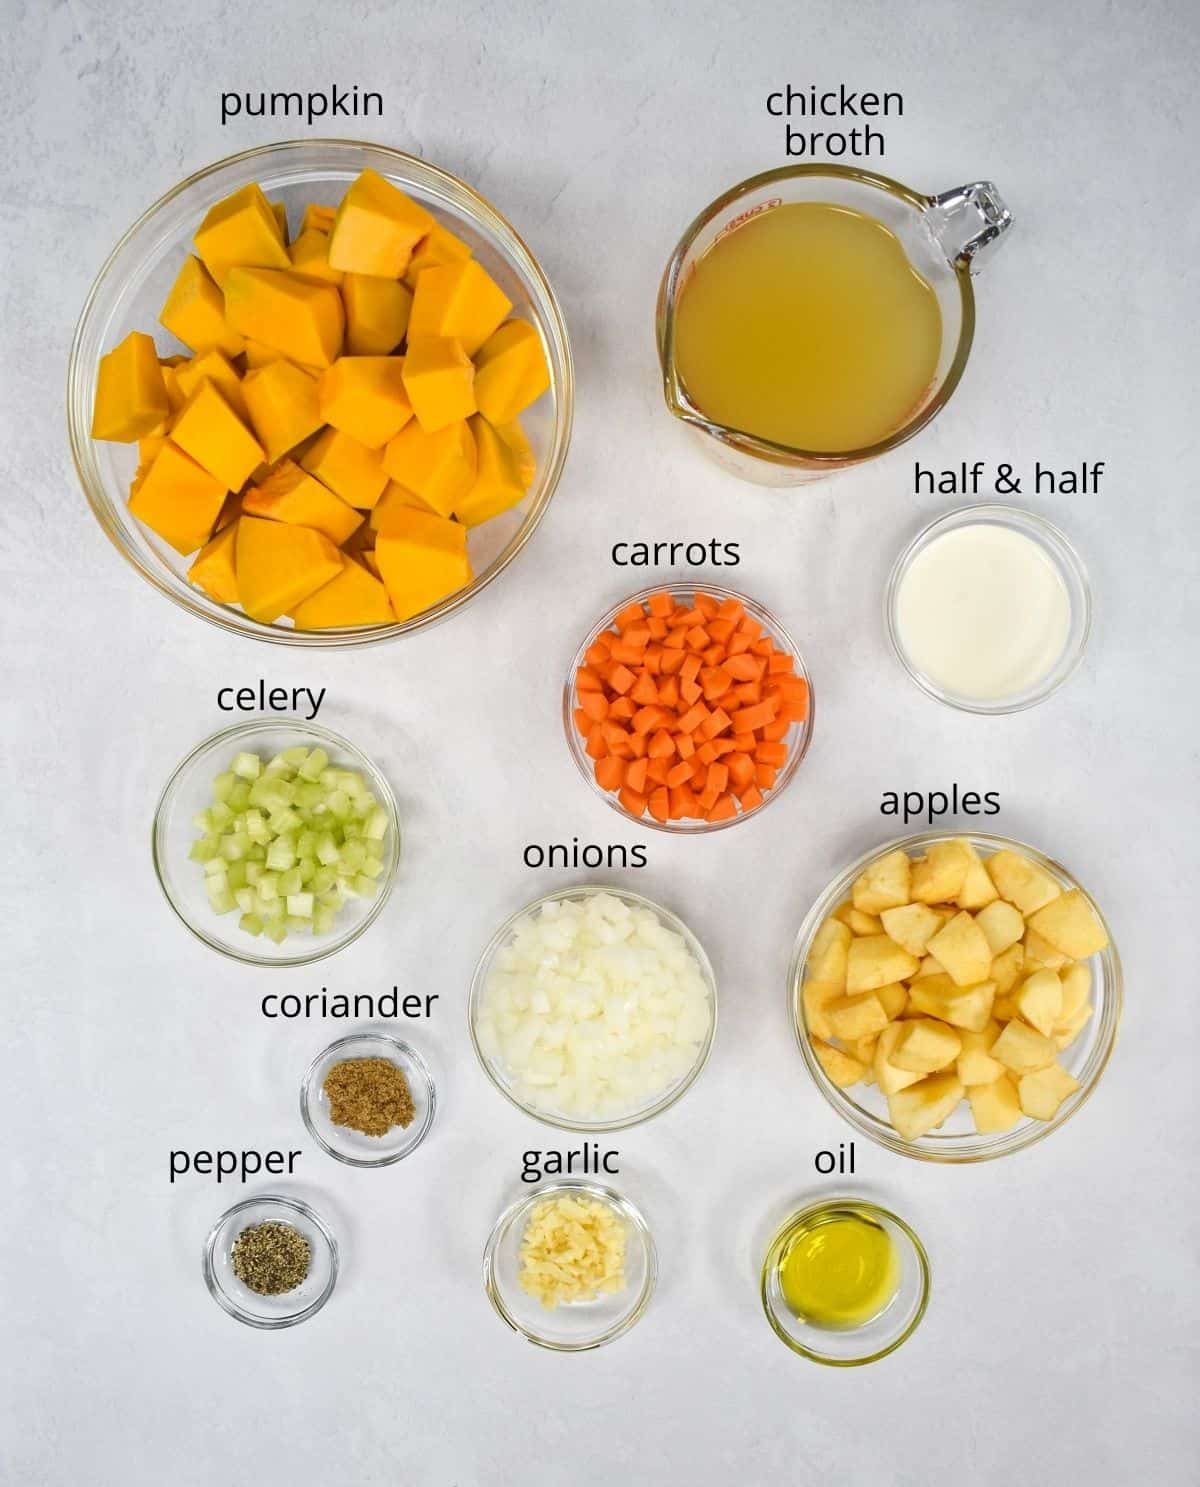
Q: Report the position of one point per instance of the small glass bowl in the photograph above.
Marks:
(577, 1327)
(956, 1140)
(129, 292)
(351, 1146)
(798, 736)
(497, 1075)
(1067, 563)
(270, 1312)
(182, 881)
(873, 1340)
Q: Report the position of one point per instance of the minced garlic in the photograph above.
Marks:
(573, 1249)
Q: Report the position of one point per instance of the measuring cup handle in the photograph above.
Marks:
(955, 217)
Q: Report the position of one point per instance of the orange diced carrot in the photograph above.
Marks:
(679, 774)
(732, 609)
(707, 605)
(595, 704)
(708, 799)
(685, 745)
(637, 636)
(723, 746)
(675, 640)
(597, 652)
(741, 770)
(586, 680)
(621, 710)
(614, 732)
(627, 655)
(672, 660)
(582, 722)
(751, 799)
(644, 690)
(685, 619)
(722, 809)
(691, 692)
(657, 628)
(622, 747)
(771, 753)
(715, 723)
(635, 776)
(597, 747)
(718, 777)
(742, 668)
(668, 692)
(639, 745)
(713, 655)
(780, 728)
(660, 605)
(755, 717)
(716, 681)
(690, 669)
(746, 742)
(750, 626)
(662, 745)
(706, 753)
(683, 802)
(790, 686)
(697, 638)
(765, 775)
(647, 718)
(621, 679)
(779, 662)
(699, 771)
(660, 804)
(721, 630)
(632, 614)
(656, 773)
(747, 693)
(634, 803)
(738, 643)
(693, 718)
(763, 647)
(652, 658)
(610, 773)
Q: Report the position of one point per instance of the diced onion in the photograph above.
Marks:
(594, 1009)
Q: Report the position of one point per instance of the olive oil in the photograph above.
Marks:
(808, 326)
(839, 1270)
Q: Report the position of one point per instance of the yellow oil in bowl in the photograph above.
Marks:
(839, 1270)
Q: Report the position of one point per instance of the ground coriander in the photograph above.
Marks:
(271, 1258)
(370, 1095)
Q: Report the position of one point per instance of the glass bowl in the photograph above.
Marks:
(573, 1327)
(874, 1339)
(1066, 562)
(497, 1075)
(271, 1312)
(182, 881)
(131, 287)
(345, 1143)
(797, 738)
(956, 1140)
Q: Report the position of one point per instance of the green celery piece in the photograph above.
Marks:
(327, 851)
(368, 887)
(220, 815)
(223, 784)
(247, 766)
(352, 856)
(254, 871)
(298, 926)
(299, 905)
(277, 931)
(377, 825)
(306, 843)
(216, 867)
(251, 923)
(306, 867)
(290, 882)
(294, 757)
(280, 856)
(323, 880)
(268, 886)
(246, 899)
(312, 767)
(239, 796)
(237, 874)
(220, 899)
(233, 848)
(204, 849)
(323, 921)
(372, 867)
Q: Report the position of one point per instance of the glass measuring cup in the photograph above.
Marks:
(945, 237)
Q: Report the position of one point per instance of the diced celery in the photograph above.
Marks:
(254, 871)
(246, 899)
(233, 848)
(311, 768)
(300, 905)
(280, 856)
(251, 923)
(327, 852)
(352, 856)
(294, 757)
(306, 843)
(223, 784)
(204, 849)
(377, 825)
(216, 867)
(368, 887)
(290, 882)
(334, 899)
(372, 867)
(202, 822)
(276, 931)
(237, 875)
(220, 815)
(308, 795)
(322, 922)
(339, 805)
(220, 898)
(247, 766)
(306, 867)
(323, 880)
(268, 886)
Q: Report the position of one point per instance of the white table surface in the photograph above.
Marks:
(1060, 1340)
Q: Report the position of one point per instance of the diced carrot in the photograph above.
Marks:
(596, 745)
(646, 719)
(683, 802)
(637, 636)
(595, 704)
(621, 679)
(790, 686)
(644, 690)
(652, 659)
(716, 723)
(747, 693)
(660, 605)
(657, 628)
(706, 753)
(697, 638)
(765, 775)
(662, 745)
(690, 692)
(679, 774)
(685, 619)
(756, 716)
(622, 709)
(690, 669)
(741, 770)
(780, 728)
(699, 771)
(638, 745)
(675, 640)
(632, 614)
(634, 803)
(742, 668)
(751, 799)
(746, 742)
(707, 605)
(660, 804)
(685, 745)
(693, 718)
(582, 722)
(635, 776)
(672, 660)
(722, 809)
(723, 746)
(718, 777)
(738, 643)
(610, 773)
(622, 747)
(708, 799)
(716, 681)
(763, 647)
(627, 655)
(586, 680)
(657, 770)
(713, 655)
(771, 753)
(721, 630)
(732, 609)
(779, 662)
(668, 691)
(597, 653)
(750, 626)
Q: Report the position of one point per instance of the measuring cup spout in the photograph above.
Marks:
(969, 222)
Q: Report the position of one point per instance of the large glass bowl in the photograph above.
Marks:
(797, 738)
(182, 881)
(497, 1074)
(956, 1140)
(131, 287)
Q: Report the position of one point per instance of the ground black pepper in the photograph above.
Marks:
(271, 1258)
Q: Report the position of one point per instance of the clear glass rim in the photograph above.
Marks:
(682, 407)
(959, 1150)
(411, 1058)
(1050, 539)
(863, 1209)
(563, 390)
(637, 1224)
(236, 732)
(227, 1302)
(670, 921)
(800, 734)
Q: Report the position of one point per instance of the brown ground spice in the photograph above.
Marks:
(370, 1095)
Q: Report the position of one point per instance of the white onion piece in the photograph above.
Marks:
(593, 1009)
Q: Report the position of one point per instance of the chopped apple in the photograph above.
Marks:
(1007, 967)
(911, 925)
(1020, 881)
(827, 954)
(923, 1106)
(1071, 925)
(876, 960)
(893, 998)
(977, 890)
(995, 1107)
(962, 948)
(930, 966)
(1022, 1049)
(887, 1076)
(1004, 1009)
(1042, 1092)
(938, 877)
(1039, 1001)
(1070, 1028)
(815, 998)
(842, 1069)
(863, 1049)
(960, 1006)
(975, 1063)
(1076, 988)
(884, 883)
(925, 1046)
(1002, 925)
(856, 1016)
(1040, 954)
